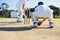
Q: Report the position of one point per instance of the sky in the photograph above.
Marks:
(30, 3)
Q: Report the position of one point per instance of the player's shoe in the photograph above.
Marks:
(19, 21)
(51, 25)
(35, 24)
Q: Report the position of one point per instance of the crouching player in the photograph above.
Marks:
(42, 11)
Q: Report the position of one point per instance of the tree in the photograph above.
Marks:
(56, 10)
(4, 7)
(0, 8)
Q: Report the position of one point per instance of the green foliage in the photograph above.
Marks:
(5, 13)
(56, 10)
(6, 6)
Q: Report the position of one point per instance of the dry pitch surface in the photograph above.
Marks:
(11, 30)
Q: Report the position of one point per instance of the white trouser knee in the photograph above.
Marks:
(50, 18)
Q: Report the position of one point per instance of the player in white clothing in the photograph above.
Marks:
(42, 11)
(20, 7)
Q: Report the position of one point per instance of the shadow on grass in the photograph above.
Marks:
(15, 28)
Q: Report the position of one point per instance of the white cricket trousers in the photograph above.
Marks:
(48, 14)
(20, 13)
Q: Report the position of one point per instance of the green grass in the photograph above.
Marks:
(57, 19)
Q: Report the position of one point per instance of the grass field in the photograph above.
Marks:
(57, 20)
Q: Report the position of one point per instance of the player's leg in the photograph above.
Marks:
(50, 18)
(18, 17)
(18, 8)
(20, 14)
(35, 16)
(21, 17)
(34, 20)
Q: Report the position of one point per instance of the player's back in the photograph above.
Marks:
(43, 8)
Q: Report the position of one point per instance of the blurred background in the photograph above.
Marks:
(8, 7)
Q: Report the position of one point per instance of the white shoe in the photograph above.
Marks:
(51, 25)
(35, 24)
(19, 20)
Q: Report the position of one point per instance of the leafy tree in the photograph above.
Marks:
(56, 10)
(4, 6)
(5, 11)
(0, 8)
